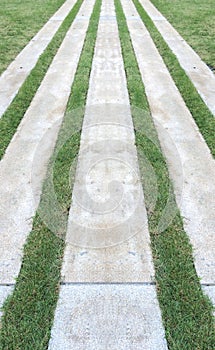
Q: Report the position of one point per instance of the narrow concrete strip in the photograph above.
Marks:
(105, 317)
(107, 238)
(4, 292)
(195, 197)
(16, 73)
(198, 72)
(19, 200)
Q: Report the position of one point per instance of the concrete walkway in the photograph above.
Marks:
(107, 243)
(195, 191)
(201, 76)
(108, 293)
(19, 199)
(16, 73)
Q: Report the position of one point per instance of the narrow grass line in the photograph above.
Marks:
(15, 112)
(29, 311)
(201, 114)
(186, 311)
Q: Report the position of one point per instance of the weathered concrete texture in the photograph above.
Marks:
(4, 293)
(20, 188)
(201, 76)
(107, 238)
(210, 291)
(16, 73)
(197, 200)
(103, 317)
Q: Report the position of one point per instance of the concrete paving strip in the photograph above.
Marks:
(107, 236)
(107, 239)
(16, 73)
(195, 191)
(198, 72)
(103, 317)
(23, 167)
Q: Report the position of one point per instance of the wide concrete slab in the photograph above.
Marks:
(16, 73)
(195, 197)
(103, 317)
(198, 72)
(20, 186)
(107, 237)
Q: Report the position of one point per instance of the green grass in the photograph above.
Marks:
(29, 312)
(14, 114)
(201, 114)
(186, 312)
(20, 20)
(194, 20)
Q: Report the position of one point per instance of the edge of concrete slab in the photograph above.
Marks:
(5, 291)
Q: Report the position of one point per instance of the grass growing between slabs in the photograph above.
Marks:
(19, 22)
(186, 312)
(29, 312)
(14, 114)
(194, 20)
(201, 114)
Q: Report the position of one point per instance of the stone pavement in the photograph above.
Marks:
(108, 292)
(106, 225)
(172, 117)
(20, 195)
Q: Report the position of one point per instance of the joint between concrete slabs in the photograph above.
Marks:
(108, 283)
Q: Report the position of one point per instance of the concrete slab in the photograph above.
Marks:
(16, 73)
(20, 184)
(195, 198)
(198, 72)
(5, 291)
(107, 237)
(103, 317)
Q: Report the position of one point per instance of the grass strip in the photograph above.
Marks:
(29, 311)
(186, 311)
(194, 20)
(201, 114)
(15, 112)
(19, 22)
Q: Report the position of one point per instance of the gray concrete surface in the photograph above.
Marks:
(20, 187)
(107, 238)
(198, 72)
(16, 73)
(4, 292)
(196, 198)
(104, 317)
(210, 291)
